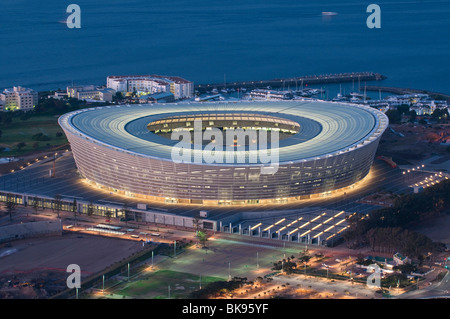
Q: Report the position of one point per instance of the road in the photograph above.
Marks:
(439, 290)
(36, 180)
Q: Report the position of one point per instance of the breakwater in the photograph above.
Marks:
(295, 82)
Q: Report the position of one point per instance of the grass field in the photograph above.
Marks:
(156, 285)
(23, 131)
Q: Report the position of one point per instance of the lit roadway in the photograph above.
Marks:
(35, 179)
(439, 290)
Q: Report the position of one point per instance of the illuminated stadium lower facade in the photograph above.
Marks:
(324, 147)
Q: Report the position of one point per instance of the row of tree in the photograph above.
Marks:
(50, 106)
(386, 228)
(218, 288)
(45, 106)
(399, 239)
(395, 115)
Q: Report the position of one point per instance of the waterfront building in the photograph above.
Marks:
(88, 92)
(150, 84)
(19, 98)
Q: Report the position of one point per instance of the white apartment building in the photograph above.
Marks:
(72, 91)
(139, 84)
(179, 87)
(150, 84)
(18, 98)
(88, 92)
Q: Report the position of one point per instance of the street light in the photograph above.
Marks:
(257, 260)
(174, 248)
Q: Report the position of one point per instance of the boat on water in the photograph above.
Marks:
(340, 98)
(357, 95)
(328, 13)
(308, 92)
(355, 99)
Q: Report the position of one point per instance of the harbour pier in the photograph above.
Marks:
(402, 91)
(295, 82)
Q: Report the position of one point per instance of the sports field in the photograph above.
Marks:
(156, 285)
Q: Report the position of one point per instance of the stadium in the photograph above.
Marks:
(323, 147)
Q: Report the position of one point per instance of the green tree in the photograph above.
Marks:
(57, 204)
(108, 215)
(35, 204)
(118, 96)
(394, 116)
(25, 116)
(20, 145)
(196, 225)
(75, 208)
(412, 116)
(125, 212)
(406, 268)
(8, 120)
(10, 205)
(440, 115)
(90, 209)
(202, 237)
(403, 109)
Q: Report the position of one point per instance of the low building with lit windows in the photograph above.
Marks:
(18, 98)
(150, 84)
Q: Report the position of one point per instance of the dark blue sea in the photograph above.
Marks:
(208, 41)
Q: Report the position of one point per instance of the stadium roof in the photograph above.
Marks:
(326, 128)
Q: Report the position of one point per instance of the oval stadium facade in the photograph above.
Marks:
(323, 147)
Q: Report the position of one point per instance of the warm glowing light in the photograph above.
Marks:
(256, 226)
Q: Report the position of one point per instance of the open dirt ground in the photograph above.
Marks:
(36, 268)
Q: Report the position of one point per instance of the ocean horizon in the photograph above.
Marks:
(208, 41)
